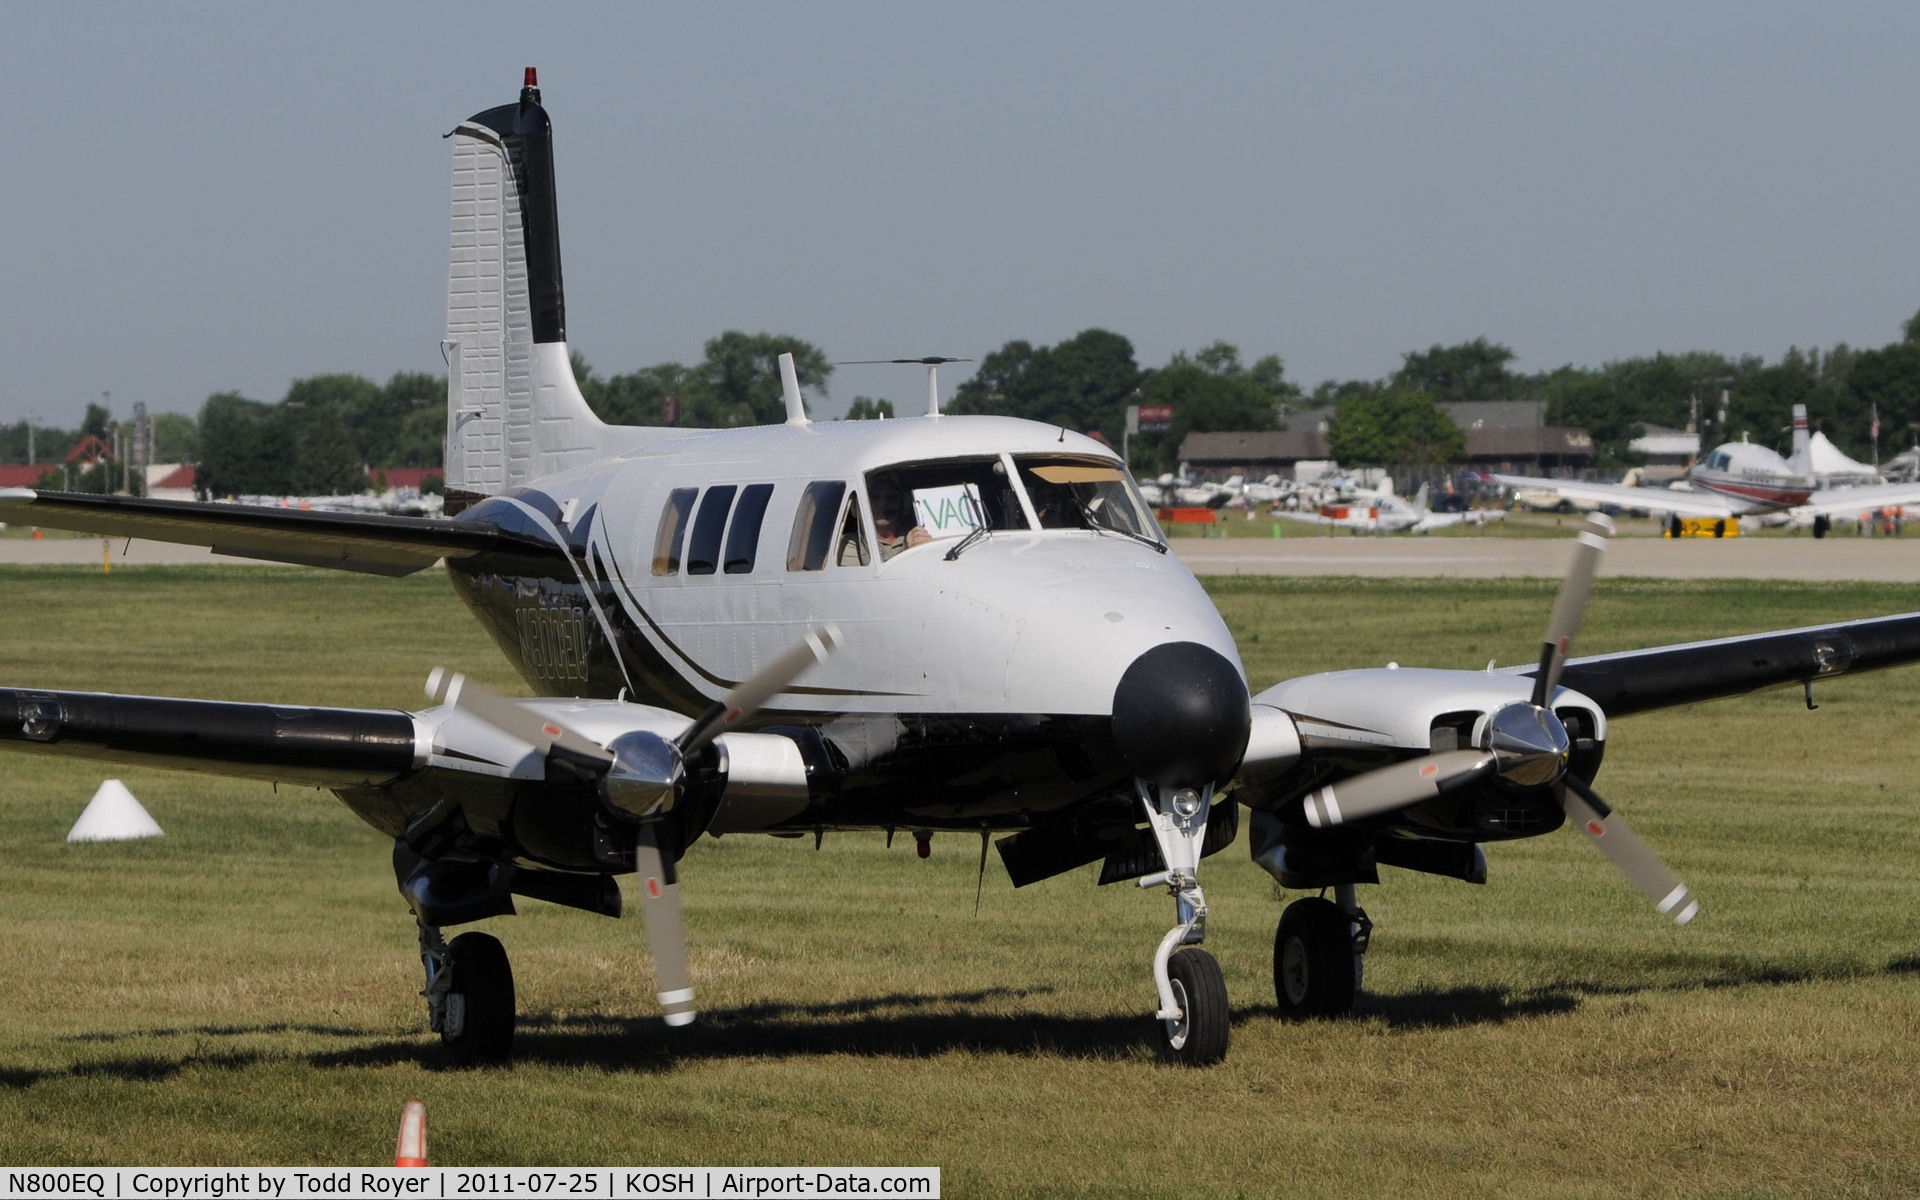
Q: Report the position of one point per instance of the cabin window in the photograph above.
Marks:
(853, 538)
(743, 536)
(812, 536)
(672, 531)
(922, 502)
(1085, 493)
(703, 550)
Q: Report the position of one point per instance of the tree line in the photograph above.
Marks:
(329, 431)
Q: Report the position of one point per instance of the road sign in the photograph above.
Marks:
(1155, 418)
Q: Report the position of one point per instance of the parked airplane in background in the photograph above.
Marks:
(966, 624)
(1740, 479)
(1382, 512)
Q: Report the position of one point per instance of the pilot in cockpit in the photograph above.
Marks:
(891, 518)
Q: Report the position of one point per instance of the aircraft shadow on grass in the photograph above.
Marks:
(897, 1025)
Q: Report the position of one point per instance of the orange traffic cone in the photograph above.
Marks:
(411, 1148)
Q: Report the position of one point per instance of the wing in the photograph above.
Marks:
(1686, 504)
(1638, 680)
(1837, 501)
(321, 747)
(369, 543)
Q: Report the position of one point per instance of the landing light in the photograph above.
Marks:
(1186, 802)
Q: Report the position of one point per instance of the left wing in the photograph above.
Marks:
(1633, 681)
(364, 542)
(1686, 504)
(1833, 501)
(318, 747)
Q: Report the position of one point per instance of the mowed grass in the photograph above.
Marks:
(243, 990)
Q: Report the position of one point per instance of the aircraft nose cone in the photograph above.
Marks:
(1181, 715)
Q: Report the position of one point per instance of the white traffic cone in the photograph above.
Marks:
(410, 1148)
(113, 815)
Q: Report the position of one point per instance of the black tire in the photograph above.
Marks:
(1199, 1038)
(1821, 526)
(1313, 961)
(484, 977)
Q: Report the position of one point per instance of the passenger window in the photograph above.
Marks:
(853, 539)
(703, 552)
(813, 525)
(672, 531)
(743, 536)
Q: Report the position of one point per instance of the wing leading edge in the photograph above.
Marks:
(365, 542)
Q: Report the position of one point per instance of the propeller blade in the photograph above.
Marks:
(1607, 830)
(747, 699)
(1398, 786)
(510, 717)
(666, 931)
(1571, 605)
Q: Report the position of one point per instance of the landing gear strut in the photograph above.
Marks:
(469, 995)
(1317, 954)
(1193, 992)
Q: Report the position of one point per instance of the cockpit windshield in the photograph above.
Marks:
(917, 503)
(1082, 493)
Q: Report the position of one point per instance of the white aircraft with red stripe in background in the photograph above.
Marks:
(1742, 479)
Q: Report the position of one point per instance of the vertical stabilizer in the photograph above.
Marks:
(514, 409)
(1801, 463)
(1420, 500)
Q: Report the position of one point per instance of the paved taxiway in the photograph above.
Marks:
(1892, 560)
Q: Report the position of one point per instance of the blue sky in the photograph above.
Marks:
(206, 197)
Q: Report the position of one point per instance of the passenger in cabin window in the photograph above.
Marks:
(891, 518)
(853, 539)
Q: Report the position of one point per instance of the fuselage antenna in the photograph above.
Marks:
(931, 363)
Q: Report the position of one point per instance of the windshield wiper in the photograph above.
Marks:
(1099, 526)
(979, 531)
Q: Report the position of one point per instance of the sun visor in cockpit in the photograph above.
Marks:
(1075, 473)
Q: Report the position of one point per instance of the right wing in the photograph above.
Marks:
(1686, 504)
(365, 542)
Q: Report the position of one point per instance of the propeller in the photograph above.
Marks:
(640, 774)
(1526, 746)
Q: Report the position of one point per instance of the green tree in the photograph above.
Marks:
(865, 408)
(176, 438)
(1475, 370)
(1910, 331)
(239, 448)
(738, 382)
(1395, 427)
(1083, 383)
(1210, 390)
(98, 423)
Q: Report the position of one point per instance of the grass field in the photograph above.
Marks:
(243, 991)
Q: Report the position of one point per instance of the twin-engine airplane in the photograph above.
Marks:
(937, 623)
(1740, 479)
(1383, 513)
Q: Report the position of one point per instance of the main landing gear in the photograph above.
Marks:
(1317, 954)
(1193, 992)
(469, 995)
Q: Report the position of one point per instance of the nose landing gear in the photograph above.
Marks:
(1193, 992)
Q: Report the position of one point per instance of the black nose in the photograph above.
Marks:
(1180, 715)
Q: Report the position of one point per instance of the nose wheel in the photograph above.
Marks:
(1193, 993)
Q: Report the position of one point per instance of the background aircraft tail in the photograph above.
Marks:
(1801, 463)
(514, 409)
